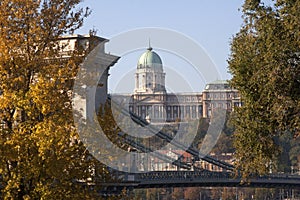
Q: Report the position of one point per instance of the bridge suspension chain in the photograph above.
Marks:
(142, 122)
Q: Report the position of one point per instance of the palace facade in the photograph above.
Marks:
(151, 101)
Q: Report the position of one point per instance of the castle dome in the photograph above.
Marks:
(149, 59)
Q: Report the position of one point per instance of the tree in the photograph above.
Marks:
(40, 157)
(224, 143)
(294, 155)
(195, 193)
(264, 63)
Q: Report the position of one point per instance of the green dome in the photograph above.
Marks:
(148, 58)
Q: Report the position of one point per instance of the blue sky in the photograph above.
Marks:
(210, 23)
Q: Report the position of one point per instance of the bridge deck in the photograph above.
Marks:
(163, 179)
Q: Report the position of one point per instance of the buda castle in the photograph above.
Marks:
(151, 101)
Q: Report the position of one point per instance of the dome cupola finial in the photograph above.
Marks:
(149, 48)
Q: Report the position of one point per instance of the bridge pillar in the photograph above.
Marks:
(133, 158)
(133, 167)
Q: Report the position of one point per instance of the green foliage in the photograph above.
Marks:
(224, 142)
(294, 153)
(265, 66)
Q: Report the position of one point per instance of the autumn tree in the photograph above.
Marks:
(40, 157)
(264, 63)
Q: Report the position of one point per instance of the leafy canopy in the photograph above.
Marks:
(264, 63)
(40, 157)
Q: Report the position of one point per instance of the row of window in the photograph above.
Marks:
(222, 95)
(220, 105)
(183, 98)
(171, 112)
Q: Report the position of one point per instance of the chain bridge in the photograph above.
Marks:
(187, 174)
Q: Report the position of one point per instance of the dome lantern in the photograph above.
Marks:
(149, 76)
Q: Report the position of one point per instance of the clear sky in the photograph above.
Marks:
(211, 23)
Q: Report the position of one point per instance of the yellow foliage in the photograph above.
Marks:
(39, 158)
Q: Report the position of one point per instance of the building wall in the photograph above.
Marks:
(100, 63)
(172, 107)
(218, 94)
